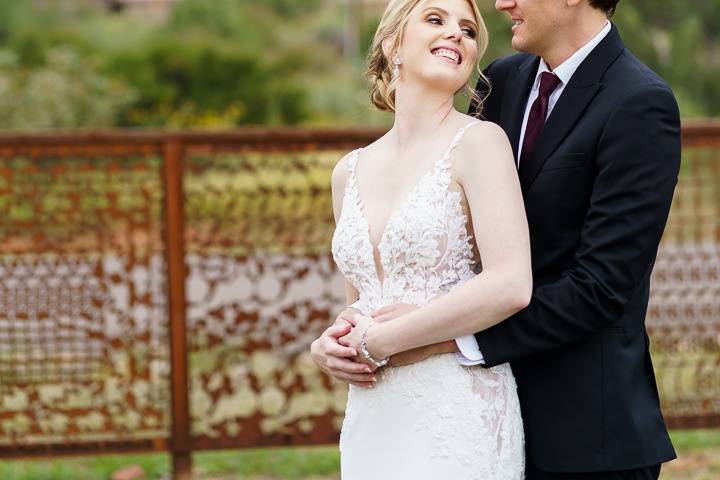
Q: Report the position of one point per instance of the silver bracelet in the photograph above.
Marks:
(366, 354)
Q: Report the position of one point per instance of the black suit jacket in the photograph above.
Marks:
(597, 199)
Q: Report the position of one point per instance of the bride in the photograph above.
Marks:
(416, 212)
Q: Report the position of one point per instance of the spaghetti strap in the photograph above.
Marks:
(443, 161)
(352, 161)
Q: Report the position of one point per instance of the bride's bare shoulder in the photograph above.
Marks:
(342, 167)
(483, 146)
(340, 172)
(484, 135)
(484, 130)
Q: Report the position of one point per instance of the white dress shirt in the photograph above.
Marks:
(469, 353)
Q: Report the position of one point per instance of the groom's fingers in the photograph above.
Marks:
(385, 309)
(388, 316)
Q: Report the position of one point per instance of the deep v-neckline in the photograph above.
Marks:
(433, 170)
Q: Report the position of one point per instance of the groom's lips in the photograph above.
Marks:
(516, 23)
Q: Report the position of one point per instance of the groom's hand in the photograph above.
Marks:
(419, 354)
(408, 357)
(394, 310)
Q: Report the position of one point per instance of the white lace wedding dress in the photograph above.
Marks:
(436, 419)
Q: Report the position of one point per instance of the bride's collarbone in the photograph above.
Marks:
(394, 172)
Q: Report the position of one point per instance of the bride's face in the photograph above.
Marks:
(439, 46)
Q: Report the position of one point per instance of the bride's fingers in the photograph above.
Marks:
(338, 330)
(348, 315)
(355, 319)
(339, 351)
(353, 377)
(362, 384)
(340, 365)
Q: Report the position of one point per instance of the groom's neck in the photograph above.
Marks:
(571, 38)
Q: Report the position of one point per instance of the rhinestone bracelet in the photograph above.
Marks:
(366, 354)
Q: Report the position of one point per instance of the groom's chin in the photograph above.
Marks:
(518, 44)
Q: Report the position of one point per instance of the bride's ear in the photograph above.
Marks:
(386, 46)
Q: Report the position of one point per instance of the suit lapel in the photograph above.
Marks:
(567, 110)
(574, 100)
(515, 100)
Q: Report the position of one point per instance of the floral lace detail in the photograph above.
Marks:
(424, 249)
(445, 418)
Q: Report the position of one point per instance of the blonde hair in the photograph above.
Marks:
(379, 68)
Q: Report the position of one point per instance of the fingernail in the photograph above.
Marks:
(354, 352)
(367, 369)
(374, 379)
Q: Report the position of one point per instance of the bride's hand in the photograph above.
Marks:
(346, 316)
(352, 339)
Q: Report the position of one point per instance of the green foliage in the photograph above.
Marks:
(181, 83)
(61, 92)
(240, 62)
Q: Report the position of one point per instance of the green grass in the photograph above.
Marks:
(695, 439)
(699, 452)
(83, 468)
(281, 462)
(290, 463)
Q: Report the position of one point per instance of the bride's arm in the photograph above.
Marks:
(331, 357)
(485, 168)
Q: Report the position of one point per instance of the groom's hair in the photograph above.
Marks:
(607, 6)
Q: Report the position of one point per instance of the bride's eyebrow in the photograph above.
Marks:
(444, 12)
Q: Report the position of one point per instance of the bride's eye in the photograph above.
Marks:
(434, 19)
(470, 32)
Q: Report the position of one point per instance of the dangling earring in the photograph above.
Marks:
(397, 63)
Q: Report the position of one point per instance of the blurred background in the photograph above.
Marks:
(229, 63)
(165, 219)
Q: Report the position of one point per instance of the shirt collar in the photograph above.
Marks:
(565, 70)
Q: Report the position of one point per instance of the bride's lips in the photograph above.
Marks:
(459, 59)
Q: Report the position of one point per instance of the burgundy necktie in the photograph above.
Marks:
(536, 120)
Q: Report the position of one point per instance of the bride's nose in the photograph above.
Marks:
(453, 32)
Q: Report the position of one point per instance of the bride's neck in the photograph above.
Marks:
(419, 112)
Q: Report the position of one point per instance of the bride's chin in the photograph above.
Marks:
(448, 80)
(438, 82)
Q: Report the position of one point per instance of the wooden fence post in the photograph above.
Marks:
(175, 257)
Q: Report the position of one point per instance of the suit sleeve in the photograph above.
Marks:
(637, 165)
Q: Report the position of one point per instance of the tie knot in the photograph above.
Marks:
(548, 83)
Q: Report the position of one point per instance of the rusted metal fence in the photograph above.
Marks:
(158, 291)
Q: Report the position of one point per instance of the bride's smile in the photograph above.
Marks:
(439, 46)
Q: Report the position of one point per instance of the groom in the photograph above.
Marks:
(596, 137)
